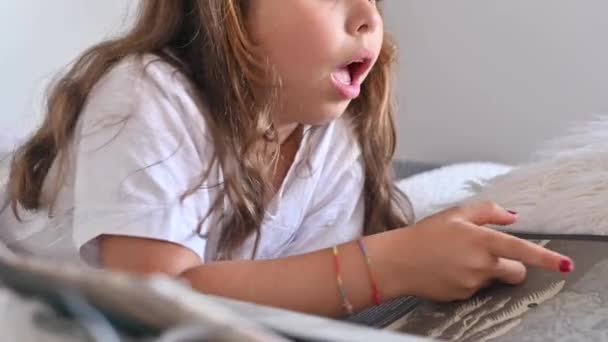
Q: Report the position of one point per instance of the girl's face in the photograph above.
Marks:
(322, 49)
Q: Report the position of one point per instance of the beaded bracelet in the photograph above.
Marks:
(348, 307)
(368, 262)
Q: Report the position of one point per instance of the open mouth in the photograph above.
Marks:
(349, 77)
(358, 69)
(353, 72)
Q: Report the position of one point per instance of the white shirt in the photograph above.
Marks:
(141, 143)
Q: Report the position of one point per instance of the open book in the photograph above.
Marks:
(140, 306)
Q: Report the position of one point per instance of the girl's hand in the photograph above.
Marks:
(450, 256)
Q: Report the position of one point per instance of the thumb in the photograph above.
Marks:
(510, 271)
(485, 213)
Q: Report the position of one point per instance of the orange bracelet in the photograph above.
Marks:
(348, 307)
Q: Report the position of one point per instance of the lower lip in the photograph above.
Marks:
(348, 91)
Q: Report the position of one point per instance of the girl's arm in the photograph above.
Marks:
(445, 257)
(305, 283)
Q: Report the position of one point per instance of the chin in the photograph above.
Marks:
(328, 113)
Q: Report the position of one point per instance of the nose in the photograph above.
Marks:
(364, 17)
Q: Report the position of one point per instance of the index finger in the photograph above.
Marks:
(503, 245)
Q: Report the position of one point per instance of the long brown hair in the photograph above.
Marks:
(209, 44)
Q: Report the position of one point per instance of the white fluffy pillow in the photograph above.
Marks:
(432, 191)
(565, 191)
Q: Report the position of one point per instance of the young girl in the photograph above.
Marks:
(245, 146)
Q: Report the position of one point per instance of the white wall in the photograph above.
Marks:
(478, 79)
(38, 38)
(490, 79)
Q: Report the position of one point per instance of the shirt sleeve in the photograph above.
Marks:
(140, 148)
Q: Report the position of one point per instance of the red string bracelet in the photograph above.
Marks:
(368, 262)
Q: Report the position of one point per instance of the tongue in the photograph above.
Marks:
(343, 76)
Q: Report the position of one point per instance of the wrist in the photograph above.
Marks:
(386, 252)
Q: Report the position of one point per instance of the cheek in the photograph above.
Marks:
(302, 47)
(313, 52)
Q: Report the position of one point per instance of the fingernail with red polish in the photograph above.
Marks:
(565, 266)
(512, 212)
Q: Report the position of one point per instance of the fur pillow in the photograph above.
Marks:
(563, 192)
(430, 191)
